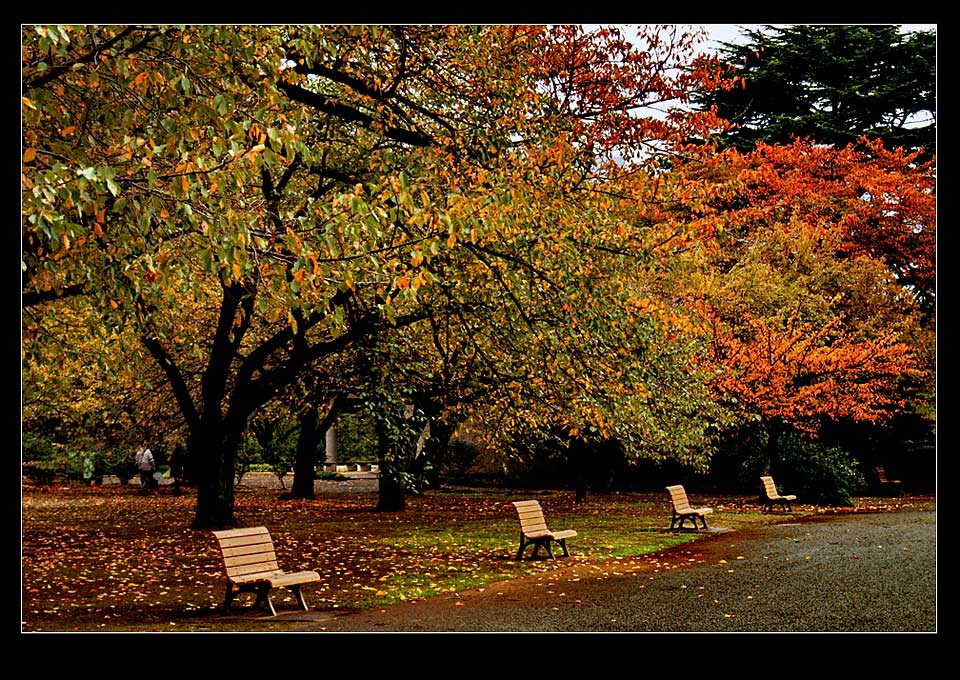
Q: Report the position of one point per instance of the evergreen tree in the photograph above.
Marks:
(830, 83)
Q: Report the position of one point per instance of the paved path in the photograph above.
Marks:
(863, 572)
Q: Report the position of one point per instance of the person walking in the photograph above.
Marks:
(146, 465)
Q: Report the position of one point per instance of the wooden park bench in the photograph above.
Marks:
(682, 510)
(769, 495)
(250, 562)
(534, 531)
(887, 484)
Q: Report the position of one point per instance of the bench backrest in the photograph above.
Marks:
(531, 516)
(247, 551)
(882, 475)
(679, 498)
(769, 487)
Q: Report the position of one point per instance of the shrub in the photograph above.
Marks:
(815, 472)
(356, 438)
(123, 465)
(39, 472)
(37, 447)
(44, 461)
(248, 455)
(460, 456)
(826, 475)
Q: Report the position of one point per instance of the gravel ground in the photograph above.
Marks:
(845, 573)
(354, 482)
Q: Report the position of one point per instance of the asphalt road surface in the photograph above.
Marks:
(847, 573)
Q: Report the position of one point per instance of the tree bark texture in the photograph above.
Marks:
(216, 463)
(307, 443)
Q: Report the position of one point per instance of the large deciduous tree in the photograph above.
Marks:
(250, 201)
(815, 289)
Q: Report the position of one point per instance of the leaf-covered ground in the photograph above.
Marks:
(107, 559)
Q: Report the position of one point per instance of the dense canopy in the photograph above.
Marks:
(447, 224)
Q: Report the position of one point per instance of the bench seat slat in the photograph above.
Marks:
(564, 533)
(252, 576)
(293, 578)
(532, 519)
(245, 542)
(260, 549)
(531, 515)
(247, 566)
(242, 531)
(537, 534)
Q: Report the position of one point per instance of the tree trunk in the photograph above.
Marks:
(215, 458)
(436, 449)
(769, 453)
(578, 457)
(770, 448)
(391, 495)
(307, 444)
(581, 490)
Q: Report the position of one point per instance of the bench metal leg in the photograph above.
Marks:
(300, 598)
(768, 505)
(537, 545)
(262, 592)
(522, 545)
(263, 598)
(545, 544)
(677, 521)
(228, 598)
